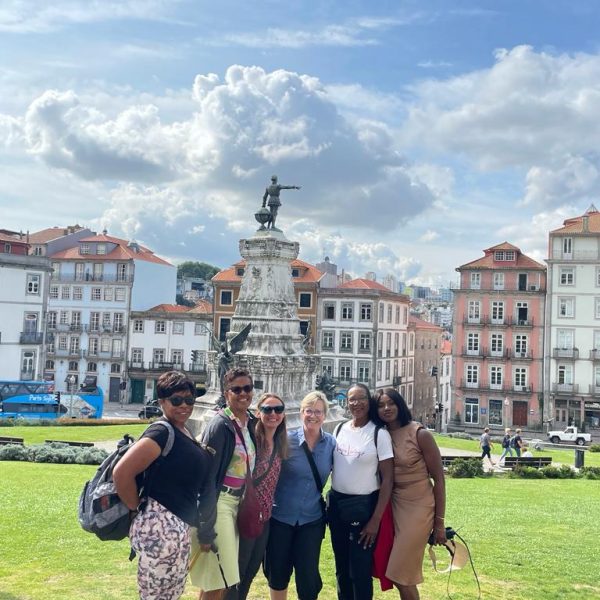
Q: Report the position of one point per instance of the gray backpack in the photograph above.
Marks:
(101, 511)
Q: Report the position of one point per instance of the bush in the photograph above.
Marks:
(595, 448)
(527, 472)
(54, 452)
(14, 452)
(20, 422)
(461, 435)
(590, 472)
(567, 472)
(552, 472)
(466, 468)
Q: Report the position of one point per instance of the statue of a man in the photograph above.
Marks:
(272, 193)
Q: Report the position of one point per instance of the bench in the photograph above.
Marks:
(80, 444)
(447, 460)
(5, 441)
(527, 461)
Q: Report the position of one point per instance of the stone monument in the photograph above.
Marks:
(274, 349)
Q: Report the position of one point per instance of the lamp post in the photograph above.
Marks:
(506, 403)
(70, 384)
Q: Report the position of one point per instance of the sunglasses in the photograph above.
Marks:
(238, 389)
(267, 410)
(179, 400)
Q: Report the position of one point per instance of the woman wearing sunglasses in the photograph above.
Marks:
(298, 523)
(271, 449)
(160, 530)
(231, 434)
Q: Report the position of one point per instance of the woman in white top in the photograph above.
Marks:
(361, 486)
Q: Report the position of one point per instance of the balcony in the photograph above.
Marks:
(31, 337)
(521, 389)
(27, 375)
(495, 354)
(595, 354)
(474, 321)
(469, 384)
(522, 322)
(140, 365)
(471, 353)
(91, 278)
(565, 388)
(97, 355)
(67, 353)
(165, 366)
(594, 390)
(521, 355)
(570, 353)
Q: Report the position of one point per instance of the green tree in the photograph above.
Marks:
(202, 270)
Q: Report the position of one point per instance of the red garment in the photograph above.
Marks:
(383, 548)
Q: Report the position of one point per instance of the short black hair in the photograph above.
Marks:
(373, 416)
(234, 374)
(404, 414)
(174, 381)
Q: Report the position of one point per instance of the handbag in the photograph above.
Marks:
(354, 509)
(250, 517)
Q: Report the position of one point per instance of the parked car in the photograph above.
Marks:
(570, 434)
(150, 410)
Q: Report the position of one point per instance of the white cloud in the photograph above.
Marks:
(429, 236)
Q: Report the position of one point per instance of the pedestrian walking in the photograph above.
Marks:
(516, 442)
(506, 449)
(486, 445)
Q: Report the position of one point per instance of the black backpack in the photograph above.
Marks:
(506, 441)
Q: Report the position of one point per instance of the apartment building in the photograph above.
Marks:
(54, 239)
(444, 394)
(498, 344)
(362, 336)
(306, 278)
(572, 378)
(164, 337)
(94, 286)
(427, 343)
(23, 296)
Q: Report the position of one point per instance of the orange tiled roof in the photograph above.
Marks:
(51, 233)
(308, 273)
(202, 307)
(420, 324)
(365, 284)
(169, 308)
(576, 224)
(11, 239)
(122, 251)
(487, 262)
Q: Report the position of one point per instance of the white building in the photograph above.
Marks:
(444, 382)
(362, 334)
(572, 374)
(23, 294)
(93, 288)
(165, 337)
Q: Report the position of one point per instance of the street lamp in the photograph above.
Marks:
(70, 384)
(506, 403)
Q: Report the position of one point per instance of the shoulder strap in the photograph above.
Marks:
(339, 426)
(258, 479)
(240, 433)
(171, 436)
(313, 466)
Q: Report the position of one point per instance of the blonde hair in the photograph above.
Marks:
(311, 398)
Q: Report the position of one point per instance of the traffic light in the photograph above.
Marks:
(57, 397)
(433, 371)
(195, 354)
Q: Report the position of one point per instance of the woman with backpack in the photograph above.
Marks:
(173, 482)
(506, 449)
(361, 486)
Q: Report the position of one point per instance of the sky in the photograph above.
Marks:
(421, 132)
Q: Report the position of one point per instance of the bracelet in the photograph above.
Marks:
(440, 518)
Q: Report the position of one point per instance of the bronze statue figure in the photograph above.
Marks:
(272, 194)
(225, 354)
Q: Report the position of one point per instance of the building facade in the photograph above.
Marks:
(498, 345)
(572, 378)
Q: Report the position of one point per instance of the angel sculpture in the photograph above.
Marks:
(225, 354)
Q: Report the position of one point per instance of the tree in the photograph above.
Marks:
(179, 299)
(197, 269)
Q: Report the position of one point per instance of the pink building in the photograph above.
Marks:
(498, 341)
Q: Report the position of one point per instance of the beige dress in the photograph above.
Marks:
(413, 507)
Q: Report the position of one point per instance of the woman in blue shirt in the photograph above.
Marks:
(297, 523)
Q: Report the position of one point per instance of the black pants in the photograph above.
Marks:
(251, 556)
(353, 562)
(295, 548)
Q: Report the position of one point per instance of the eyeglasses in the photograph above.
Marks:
(309, 412)
(179, 400)
(357, 400)
(267, 410)
(238, 389)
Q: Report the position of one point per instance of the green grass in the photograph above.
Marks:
(99, 433)
(566, 456)
(530, 540)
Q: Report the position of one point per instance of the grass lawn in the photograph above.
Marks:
(73, 433)
(566, 456)
(531, 540)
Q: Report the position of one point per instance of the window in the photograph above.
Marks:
(38, 251)
(224, 327)
(76, 319)
(498, 281)
(137, 355)
(93, 346)
(121, 272)
(496, 344)
(565, 374)
(387, 369)
(96, 293)
(411, 342)
(495, 409)
(364, 371)
(388, 345)
(158, 355)
(380, 344)
(138, 326)
(305, 300)
(51, 319)
(226, 297)
(108, 294)
(74, 366)
(347, 311)
(472, 410)
(118, 322)
(50, 365)
(364, 342)
(345, 370)
(474, 311)
(365, 312)
(79, 271)
(567, 247)
(295, 272)
(98, 271)
(160, 327)
(565, 339)
(567, 276)
(199, 328)
(106, 321)
(520, 377)
(120, 294)
(497, 312)
(472, 375)
(64, 317)
(397, 315)
(53, 292)
(327, 366)
(100, 248)
(381, 314)
(496, 377)
(346, 341)
(62, 342)
(472, 343)
(328, 340)
(396, 344)
(65, 292)
(389, 313)
(77, 293)
(520, 345)
(328, 311)
(410, 367)
(597, 276)
(566, 307)
(33, 284)
(74, 345)
(105, 344)
(94, 321)
(84, 249)
(240, 271)
(304, 327)
(115, 368)
(92, 367)
(177, 356)
(475, 281)
(178, 327)
(597, 308)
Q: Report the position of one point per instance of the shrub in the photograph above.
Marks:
(54, 452)
(595, 448)
(567, 472)
(20, 422)
(590, 472)
(552, 472)
(14, 452)
(461, 435)
(466, 467)
(527, 472)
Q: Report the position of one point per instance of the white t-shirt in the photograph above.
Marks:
(355, 459)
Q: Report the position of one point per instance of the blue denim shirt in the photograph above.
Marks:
(297, 497)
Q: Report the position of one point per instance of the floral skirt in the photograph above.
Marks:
(162, 542)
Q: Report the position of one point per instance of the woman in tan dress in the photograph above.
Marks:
(418, 503)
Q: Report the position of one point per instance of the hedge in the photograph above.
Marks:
(55, 452)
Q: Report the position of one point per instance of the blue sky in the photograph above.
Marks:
(420, 132)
